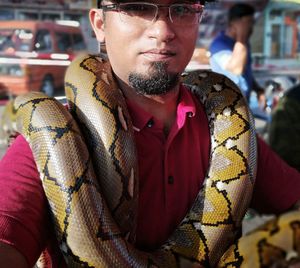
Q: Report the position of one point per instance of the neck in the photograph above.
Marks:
(163, 107)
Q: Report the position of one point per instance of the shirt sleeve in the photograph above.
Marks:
(277, 185)
(218, 62)
(23, 206)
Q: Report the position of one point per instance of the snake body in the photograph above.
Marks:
(274, 244)
(88, 166)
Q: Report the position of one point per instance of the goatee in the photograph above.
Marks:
(158, 82)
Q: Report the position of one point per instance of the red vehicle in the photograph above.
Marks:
(34, 55)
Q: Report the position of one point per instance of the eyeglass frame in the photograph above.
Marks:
(116, 7)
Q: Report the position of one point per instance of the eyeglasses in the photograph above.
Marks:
(141, 12)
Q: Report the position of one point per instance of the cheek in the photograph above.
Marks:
(189, 42)
(190, 35)
(121, 41)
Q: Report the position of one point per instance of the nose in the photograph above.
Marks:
(162, 29)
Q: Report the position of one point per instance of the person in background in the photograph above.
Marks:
(284, 131)
(149, 45)
(231, 53)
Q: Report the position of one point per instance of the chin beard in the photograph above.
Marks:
(158, 82)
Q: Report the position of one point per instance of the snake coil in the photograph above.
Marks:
(88, 166)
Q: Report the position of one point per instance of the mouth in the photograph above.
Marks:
(158, 54)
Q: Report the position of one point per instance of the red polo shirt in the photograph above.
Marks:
(171, 168)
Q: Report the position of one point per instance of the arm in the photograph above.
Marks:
(277, 185)
(10, 257)
(238, 59)
(23, 207)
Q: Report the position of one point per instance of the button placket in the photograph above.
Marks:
(190, 114)
(150, 123)
(170, 180)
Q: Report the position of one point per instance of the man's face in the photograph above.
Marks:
(247, 23)
(148, 50)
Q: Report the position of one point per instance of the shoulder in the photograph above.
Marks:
(201, 77)
(19, 178)
(221, 42)
(19, 153)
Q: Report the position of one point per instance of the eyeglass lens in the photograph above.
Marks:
(183, 14)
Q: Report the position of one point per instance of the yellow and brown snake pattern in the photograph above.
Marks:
(88, 166)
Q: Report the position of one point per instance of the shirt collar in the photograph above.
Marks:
(186, 106)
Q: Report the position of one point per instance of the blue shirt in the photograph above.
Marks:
(221, 50)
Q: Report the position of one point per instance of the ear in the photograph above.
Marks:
(97, 22)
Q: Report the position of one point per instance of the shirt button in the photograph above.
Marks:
(190, 114)
(150, 123)
(170, 179)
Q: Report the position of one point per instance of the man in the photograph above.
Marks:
(284, 132)
(231, 51)
(148, 52)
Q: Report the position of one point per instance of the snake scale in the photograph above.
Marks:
(87, 162)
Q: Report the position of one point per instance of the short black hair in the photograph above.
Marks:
(240, 10)
(202, 2)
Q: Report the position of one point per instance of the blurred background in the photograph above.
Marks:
(275, 42)
(39, 38)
